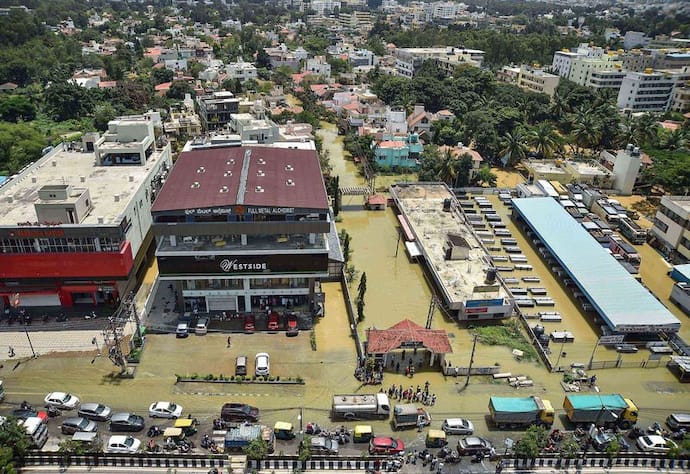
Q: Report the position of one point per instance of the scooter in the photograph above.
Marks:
(154, 431)
(206, 442)
(61, 318)
(477, 458)
(45, 317)
(26, 406)
(91, 315)
(52, 411)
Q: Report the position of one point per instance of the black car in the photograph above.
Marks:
(239, 412)
(126, 422)
(24, 413)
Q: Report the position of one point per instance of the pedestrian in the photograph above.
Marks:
(434, 462)
(420, 425)
(397, 367)
(229, 341)
(414, 457)
(439, 468)
(433, 399)
(426, 387)
(11, 351)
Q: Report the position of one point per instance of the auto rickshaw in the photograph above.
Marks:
(173, 435)
(187, 425)
(362, 434)
(436, 439)
(283, 430)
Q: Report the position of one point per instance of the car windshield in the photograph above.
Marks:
(66, 398)
(132, 419)
(246, 409)
(99, 409)
(129, 442)
(83, 423)
(171, 407)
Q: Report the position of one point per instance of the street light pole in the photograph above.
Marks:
(26, 331)
(299, 418)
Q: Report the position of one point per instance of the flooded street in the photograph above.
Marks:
(342, 167)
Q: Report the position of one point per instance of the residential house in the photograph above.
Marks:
(215, 109)
(318, 66)
(459, 150)
(419, 121)
(398, 151)
(241, 70)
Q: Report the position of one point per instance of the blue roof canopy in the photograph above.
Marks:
(622, 302)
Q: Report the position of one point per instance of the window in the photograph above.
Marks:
(660, 225)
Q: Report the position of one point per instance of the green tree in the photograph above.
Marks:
(569, 447)
(646, 129)
(65, 100)
(20, 143)
(14, 445)
(513, 147)
(485, 176)
(544, 139)
(345, 242)
(16, 107)
(586, 131)
(532, 442)
(257, 449)
(448, 168)
(161, 75)
(103, 113)
(178, 89)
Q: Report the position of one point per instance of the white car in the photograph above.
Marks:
(122, 444)
(61, 400)
(165, 410)
(655, 444)
(261, 364)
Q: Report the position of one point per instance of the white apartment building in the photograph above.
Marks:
(409, 59)
(562, 62)
(650, 91)
(611, 79)
(582, 67)
(441, 10)
(241, 70)
(321, 7)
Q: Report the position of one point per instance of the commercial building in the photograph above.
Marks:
(650, 91)
(408, 60)
(360, 21)
(215, 109)
(245, 229)
(672, 227)
(451, 252)
(622, 303)
(75, 225)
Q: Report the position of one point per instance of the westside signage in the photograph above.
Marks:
(246, 264)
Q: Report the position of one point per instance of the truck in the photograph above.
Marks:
(361, 406)
(516, 412)
(600, 410)
(409, 415)
(239, 437)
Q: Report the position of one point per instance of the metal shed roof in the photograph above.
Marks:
(622, 302)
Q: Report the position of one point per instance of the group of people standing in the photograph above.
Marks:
(412, 395)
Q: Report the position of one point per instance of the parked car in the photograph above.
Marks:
(601, 441)
(292, 325)
(61, 400)
(72, 425)
(457, 426)
(165, 410)
(385, 445)
(201, 327)
(322, 445)
(655, 444)
(126, 422)
(94, 411)
(241, 365)
(239, 412)
(472, 445)
(262, 364)
(122, 444)
(249, 323)
(182, 330)
(273, 321)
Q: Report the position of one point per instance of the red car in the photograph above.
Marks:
(386, 445)
(273, 321)
(292, 325)
(249, 323)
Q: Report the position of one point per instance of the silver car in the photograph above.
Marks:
(95, 411)
(72, 425)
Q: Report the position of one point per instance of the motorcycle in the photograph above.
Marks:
(218, 424)
(26, 405)
(52, 411)
(206, 442)
(61, 318)
(444, 452)
(635, 433)
(153, 447)
(154, 431)
(313, 429)
(477, 458)
(454, 457)
(91, 315)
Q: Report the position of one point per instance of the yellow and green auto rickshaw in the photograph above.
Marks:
(173, 435)
(362, 434)
(436, 439)
(187, 425)
(283, 430)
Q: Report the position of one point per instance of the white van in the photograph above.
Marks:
(678, 421)
(201, 327)
(37, 430)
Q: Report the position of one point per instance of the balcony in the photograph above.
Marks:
(228, 244)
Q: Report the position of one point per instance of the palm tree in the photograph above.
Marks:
(485, 176)
(559, 107)
(513, 147)
(545, 140)
(448, 169)
(674, 140)
(627, 132)
(647, 129)
(586, 131)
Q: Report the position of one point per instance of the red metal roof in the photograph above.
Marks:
(382, 341)
(267, 167)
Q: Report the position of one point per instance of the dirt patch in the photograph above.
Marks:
(507, 178)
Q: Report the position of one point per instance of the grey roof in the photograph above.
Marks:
(622, 302)
(335, 253)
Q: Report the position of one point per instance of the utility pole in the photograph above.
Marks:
(469, 369)
(112, 340)
(397, 244)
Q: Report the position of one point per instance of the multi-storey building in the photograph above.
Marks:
(241, 70)
(583, 67)
(318, 66)
(611, 79)
(244, 229)
(650, 91)
(529, 78)
(356, 21)
(215, 109)
(672, 227)
(322, 7)
(75, 225)
(408, 60)
(183, 123)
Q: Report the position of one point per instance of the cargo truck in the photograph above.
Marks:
(601, 410)
(360, 406)
(515, 412)
(408, 415)
(239, 437)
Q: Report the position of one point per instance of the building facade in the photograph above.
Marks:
(243, 229)
(672, 227)
(215, 110)
(649, 91)
(402, 152)
(531, 79)
(75, 225)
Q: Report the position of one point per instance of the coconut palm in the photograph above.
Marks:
(545, 140)
(647, 129)
(674, 140)
(586, 130)
(559, 106)
(626, 133)
(514, 147)
(448, 169)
